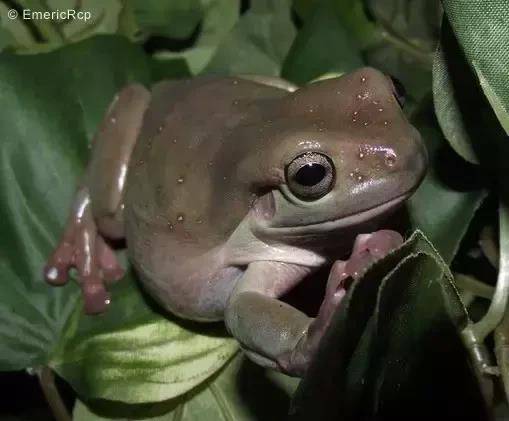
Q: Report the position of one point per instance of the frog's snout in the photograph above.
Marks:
(414, 161)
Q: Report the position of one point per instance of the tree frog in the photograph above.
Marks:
(229, 191)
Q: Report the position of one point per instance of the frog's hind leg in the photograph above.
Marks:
(96, 212)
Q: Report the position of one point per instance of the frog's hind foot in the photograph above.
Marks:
(83, 248)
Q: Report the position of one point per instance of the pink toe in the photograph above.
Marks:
(382, 242)
(96, 297)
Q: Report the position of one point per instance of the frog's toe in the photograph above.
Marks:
(111, 270)
(368, 248)
(58, 265)
(95, 296)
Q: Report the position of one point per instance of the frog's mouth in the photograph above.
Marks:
(265, 209)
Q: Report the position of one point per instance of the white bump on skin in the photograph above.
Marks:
(82, 207)
(121, 177)
(52, 274)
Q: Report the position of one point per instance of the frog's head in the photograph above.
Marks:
(340, 154)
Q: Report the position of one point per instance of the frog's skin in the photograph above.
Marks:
(203, 178)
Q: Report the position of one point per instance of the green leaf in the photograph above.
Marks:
(13, 31)
(416, 22)
(219, 18)
(51, 107)
(174, 19)
(407, 33)
(311, 56)
(396, 329)
(104, 17)
(463, 111)
(133, 354)
(52, 104)
(35, 35)
(451, 185)
(259, 41)
(232, 394)
(481, 29)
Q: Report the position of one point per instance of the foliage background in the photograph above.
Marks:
(56, 80)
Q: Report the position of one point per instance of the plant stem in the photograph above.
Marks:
(52, 395)
(475, 333)
(488, 245)
(473, 285)
(502, 351)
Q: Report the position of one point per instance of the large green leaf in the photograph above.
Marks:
(242, 391)
(481, 29)
(219, 17)
(52, 104)
(389, 344)
(133, 354)
(311, 55)
(469, 87)
(258, 43)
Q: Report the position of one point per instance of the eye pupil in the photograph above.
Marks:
(310, 174)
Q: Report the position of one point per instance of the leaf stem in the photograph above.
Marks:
(52, 395)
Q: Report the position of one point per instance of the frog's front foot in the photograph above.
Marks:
(83, 248)
(367, 249)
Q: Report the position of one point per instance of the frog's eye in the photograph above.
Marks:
(399, 91)
(310, 176)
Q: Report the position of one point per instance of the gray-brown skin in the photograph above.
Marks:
(197, 176)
